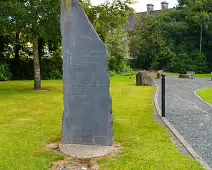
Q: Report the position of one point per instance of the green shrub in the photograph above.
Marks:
(194, 61)
(53, 75)
(51, 68)
(117, 45)
(200, 62)
(22, 69)
(112, 73)
(5, 73)
(125, 71)
(128, 73)
(118, 65)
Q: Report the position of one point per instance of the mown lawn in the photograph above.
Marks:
(206, 94)
(177, 75)
(30, 120)
(197, 75)
(203, 75)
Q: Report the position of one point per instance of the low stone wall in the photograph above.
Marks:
(185, 76)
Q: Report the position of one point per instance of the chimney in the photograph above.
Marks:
(150, 8)
(164, 5)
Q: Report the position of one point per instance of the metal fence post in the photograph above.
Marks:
(163, 95)
(211, 76)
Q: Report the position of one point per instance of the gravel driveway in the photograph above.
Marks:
(188, 114)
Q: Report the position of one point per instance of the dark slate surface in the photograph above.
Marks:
(87, 102)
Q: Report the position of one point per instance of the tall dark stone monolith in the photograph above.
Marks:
(87, 102)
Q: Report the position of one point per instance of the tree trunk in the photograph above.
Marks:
(41, 44)
(37, 77)
(200, 48)
(17, 46)
(17, 56)
(1, 47)
(200, 43)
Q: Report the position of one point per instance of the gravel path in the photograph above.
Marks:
(188, 114)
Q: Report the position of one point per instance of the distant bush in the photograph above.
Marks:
(125, 71)
(117, 45)
(128, 73)
(113, 73)
(21, 69)
(51, 68)
(52, 75)
(188, 62)
(5, 73)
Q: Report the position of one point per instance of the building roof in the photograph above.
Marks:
(134, 20)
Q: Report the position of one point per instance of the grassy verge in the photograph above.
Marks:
(203, 75)
(177, 75)
(147, 144)
(197, 75)
(30, 120)
(206, 94)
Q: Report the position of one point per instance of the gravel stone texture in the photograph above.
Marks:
(188, 114)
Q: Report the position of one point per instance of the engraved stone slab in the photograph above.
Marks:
(87, 102)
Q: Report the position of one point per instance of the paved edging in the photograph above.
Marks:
(85, 151)
(195, 92)
(193, 153)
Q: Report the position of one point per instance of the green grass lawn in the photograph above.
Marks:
(197, 75)
(206, 94)
(203, 76)
(177, 75)
(30, 120)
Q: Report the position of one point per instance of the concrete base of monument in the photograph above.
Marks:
(85, 151)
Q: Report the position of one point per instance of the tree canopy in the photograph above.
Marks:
(175, 40)
(38, 22)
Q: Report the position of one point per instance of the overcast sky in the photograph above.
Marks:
(141, 5)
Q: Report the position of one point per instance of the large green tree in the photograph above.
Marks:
(174, 40)
(37, 19)
(199, 13)
(109, 15)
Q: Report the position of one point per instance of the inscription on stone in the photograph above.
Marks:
(87, 102)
